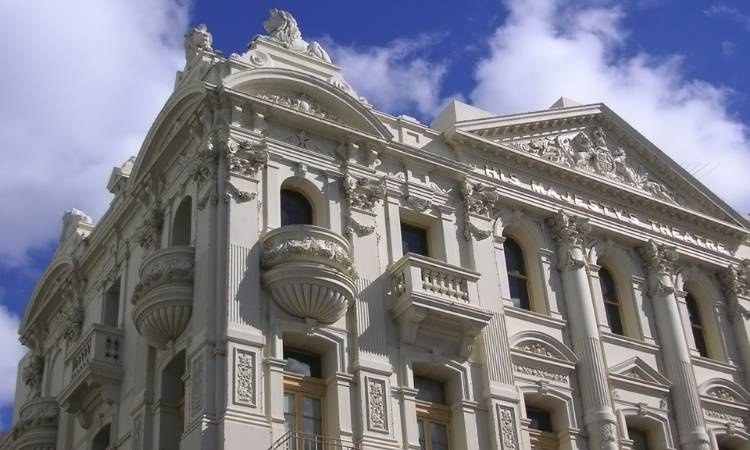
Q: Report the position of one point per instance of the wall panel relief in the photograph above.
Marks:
(377, 408)
(244, 377)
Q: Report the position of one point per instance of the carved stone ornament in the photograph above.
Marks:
(723, 416)
(506, 417)
(377, 409)
(302, 140)
(196, 386)
(590, 152)
(608, 432)
(247, 158)
(299, 102)
(282, 28)
(569, 228)
(537, 348)
(148, 235)
(541, 373)
(32, 374)
(197, 41)
(416, 203)
(479, 199)
(362, 192)
(471, 231)
(658, 257)
(722, 394)
(72, 313)
(735, 279)
(244, 377)
(36, 427)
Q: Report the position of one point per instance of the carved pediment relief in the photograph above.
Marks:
(593, 150)
(542, 346)
(637, 370)
(298, 101)
(725, 391)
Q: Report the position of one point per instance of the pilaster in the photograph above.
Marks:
(735, 281)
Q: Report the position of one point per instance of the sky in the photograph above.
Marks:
(84, 79)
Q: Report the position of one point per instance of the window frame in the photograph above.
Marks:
(610, 303)
(417, 227)
(526, 303)
(698, 327)
(299, 195)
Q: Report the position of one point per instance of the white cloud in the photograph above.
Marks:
(9, 356)
(549, 48)
(396, 78)
(83, 81)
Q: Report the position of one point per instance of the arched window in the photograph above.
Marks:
(433, 415)
(181, 229)
(295, 208)
(696, 325)
(515, 264)
(611, 301)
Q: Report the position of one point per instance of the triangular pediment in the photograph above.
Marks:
(593, 141)
(637, 370)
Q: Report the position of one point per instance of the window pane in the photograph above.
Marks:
(414, 240)
(295, 209)
(420, 427)
(438, 436)
(693, 312)
(607, 284)
(639, 439)
(539, 419)
(518, 293)
(613, 318)
(429, 390)
(514, 261)
(700, 341)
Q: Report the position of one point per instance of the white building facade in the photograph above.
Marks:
(282, 266)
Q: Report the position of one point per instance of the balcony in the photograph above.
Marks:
(36, 427)
(307, 441)
(163, 299)
(438, 300)
(308, 272)
(95, 371)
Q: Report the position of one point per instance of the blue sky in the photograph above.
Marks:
(83, 90)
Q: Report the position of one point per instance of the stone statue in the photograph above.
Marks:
(282, 28)
(197, 40)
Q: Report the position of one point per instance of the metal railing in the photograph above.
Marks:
(307, 441)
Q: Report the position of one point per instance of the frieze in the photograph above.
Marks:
(541, 373)
(282, 250)
(723, 416)
(628, 217)
(591, 152)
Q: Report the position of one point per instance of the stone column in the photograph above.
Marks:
(736, 286)
(569, 231)
(659, 260)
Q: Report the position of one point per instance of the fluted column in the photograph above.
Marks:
(659, 259)
(736, 286)
(569, 232)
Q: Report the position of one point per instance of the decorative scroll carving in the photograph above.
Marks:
(541, 373)
(282, 28)
(137, 432)
(569, 228)
(32, 374)
(247, 158)
(377, 409)
(590, 152)
(299, 102)
(317, 248)
(658, 257)
(479, 199)
(196, 386)
(233, 192)
(735, 279)
(302, 140)
(197, 41)
(362, 192)
(244, 377)
(506, 417)
(148, 234)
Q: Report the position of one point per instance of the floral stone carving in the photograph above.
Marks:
(308, 272)
(163, 299)
(300, 102)
(658, 257)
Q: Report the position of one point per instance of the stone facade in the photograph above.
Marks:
(166, 324)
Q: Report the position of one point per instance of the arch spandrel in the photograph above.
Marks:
(307, 94)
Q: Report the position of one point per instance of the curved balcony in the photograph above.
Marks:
(308, 272)
(163, 299)
(37, 425)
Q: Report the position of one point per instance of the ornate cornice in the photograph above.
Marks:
(658, 257)
(569, 228)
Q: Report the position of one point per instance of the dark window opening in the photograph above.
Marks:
(111, 314)
(696, 325)
(181, 225)
(429, 390)
(539, 419)
(611, 301)
(639, 438)
(302, 363)
(101, 440)
(515, 264)
(414, 240)
(295, 209)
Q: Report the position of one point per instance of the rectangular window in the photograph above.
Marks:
(640, 442)
(111, 305)
(414, 240)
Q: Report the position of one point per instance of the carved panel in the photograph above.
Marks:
(541, 373)
(244, 377)
(377, 408)
(507, 418)
(196, 386)
(137, 432)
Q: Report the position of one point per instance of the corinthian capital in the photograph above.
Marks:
(569, 228)
(658, 257)
(735, 279)
(479, 199)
